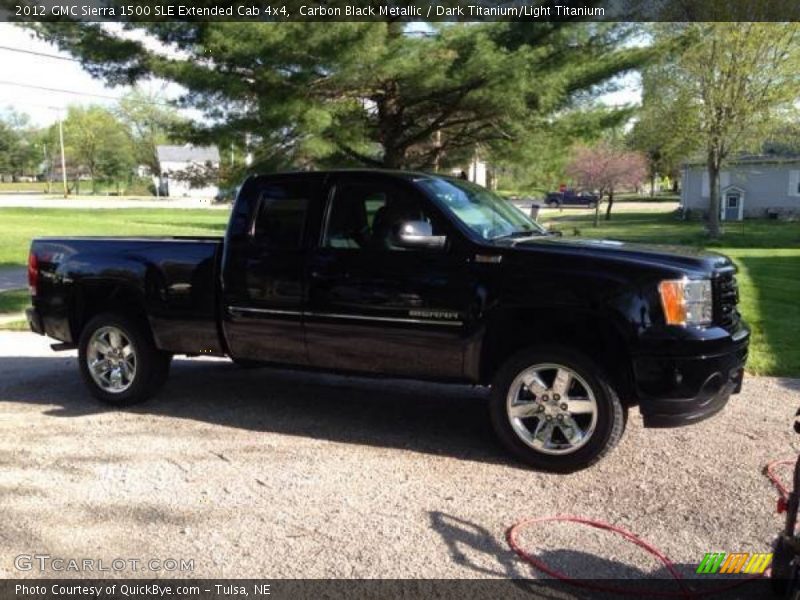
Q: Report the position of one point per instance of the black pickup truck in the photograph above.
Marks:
(403, 274)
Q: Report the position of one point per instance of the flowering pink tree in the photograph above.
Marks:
(606, 170)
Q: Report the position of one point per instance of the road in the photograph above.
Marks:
(13, 278)
(271, 473)
(74, 202)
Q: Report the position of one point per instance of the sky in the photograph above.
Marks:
(44, 106)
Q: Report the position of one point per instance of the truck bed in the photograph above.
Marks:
(173, 277)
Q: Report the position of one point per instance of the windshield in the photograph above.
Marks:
(484, 212)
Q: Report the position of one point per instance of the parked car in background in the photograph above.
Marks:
(571, 198)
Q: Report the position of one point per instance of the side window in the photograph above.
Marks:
(281, 214)
(367, 215)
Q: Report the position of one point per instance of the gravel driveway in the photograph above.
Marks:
(272, 473)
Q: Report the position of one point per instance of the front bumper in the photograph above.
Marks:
(681, 390)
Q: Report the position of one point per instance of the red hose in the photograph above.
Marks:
(686, 591)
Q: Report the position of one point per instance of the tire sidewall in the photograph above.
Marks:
(147, 367)
(610, 413)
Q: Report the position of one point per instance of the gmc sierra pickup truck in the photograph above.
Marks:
(402, 274)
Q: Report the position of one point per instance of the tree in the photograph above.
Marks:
(19, 152)
(734, 80)
(664, 130)
(151, 121)
(96, 141)
(606, 169)
(301, 94)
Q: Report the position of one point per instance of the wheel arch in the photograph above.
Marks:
(92, 298)
(593, 334)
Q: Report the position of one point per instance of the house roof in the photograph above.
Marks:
(752, 159)
(729, 188)
(187, 153)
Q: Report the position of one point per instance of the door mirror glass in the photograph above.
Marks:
(418, 234)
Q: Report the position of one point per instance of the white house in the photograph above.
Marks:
(476, 171)
(176, 160)
(750, 186)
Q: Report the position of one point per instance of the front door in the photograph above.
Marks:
(732, 207)
(263, 277)
(374, 306)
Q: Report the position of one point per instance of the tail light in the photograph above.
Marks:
(33, 273)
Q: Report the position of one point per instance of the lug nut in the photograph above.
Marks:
(560, 417)
(564, 406)
(544, 398)
(540, 408)
(556, 397)
(548, 418)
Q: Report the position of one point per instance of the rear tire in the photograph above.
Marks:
(554, 409)
(119, 361)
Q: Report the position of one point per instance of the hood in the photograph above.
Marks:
(681, 257)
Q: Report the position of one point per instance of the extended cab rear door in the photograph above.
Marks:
(263, 288)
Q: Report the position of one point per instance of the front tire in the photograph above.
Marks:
(554, 409)
(119, 361)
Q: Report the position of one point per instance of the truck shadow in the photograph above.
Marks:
(422, 417)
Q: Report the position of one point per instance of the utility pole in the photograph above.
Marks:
(63, 158)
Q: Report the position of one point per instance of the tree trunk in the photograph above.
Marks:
(390, 126)
(653, 184)
(714, 229)
(393, 157)
(610, 204)
(597, 209)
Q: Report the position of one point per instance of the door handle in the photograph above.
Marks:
(321, 276)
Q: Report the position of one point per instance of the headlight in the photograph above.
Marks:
(687, 302)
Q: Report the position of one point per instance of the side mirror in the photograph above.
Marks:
(418, 234)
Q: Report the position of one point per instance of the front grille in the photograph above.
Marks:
(726, 298)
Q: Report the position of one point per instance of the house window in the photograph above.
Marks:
(733, 201)
(794, 183)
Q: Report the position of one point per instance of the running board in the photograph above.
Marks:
(62, 346)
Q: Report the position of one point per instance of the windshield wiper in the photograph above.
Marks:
(518, 234)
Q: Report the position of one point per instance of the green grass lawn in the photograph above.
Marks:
(14, 301)
(19, 225)
(766, 252)
(11, 303)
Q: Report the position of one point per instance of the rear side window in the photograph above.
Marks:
(281, 214)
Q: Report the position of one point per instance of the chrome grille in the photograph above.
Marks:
(726, 298)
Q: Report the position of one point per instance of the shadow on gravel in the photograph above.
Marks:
(421, 417)
(466, 540)
(473, 546)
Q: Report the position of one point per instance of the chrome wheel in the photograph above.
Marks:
(111, 358)
(552, 409)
